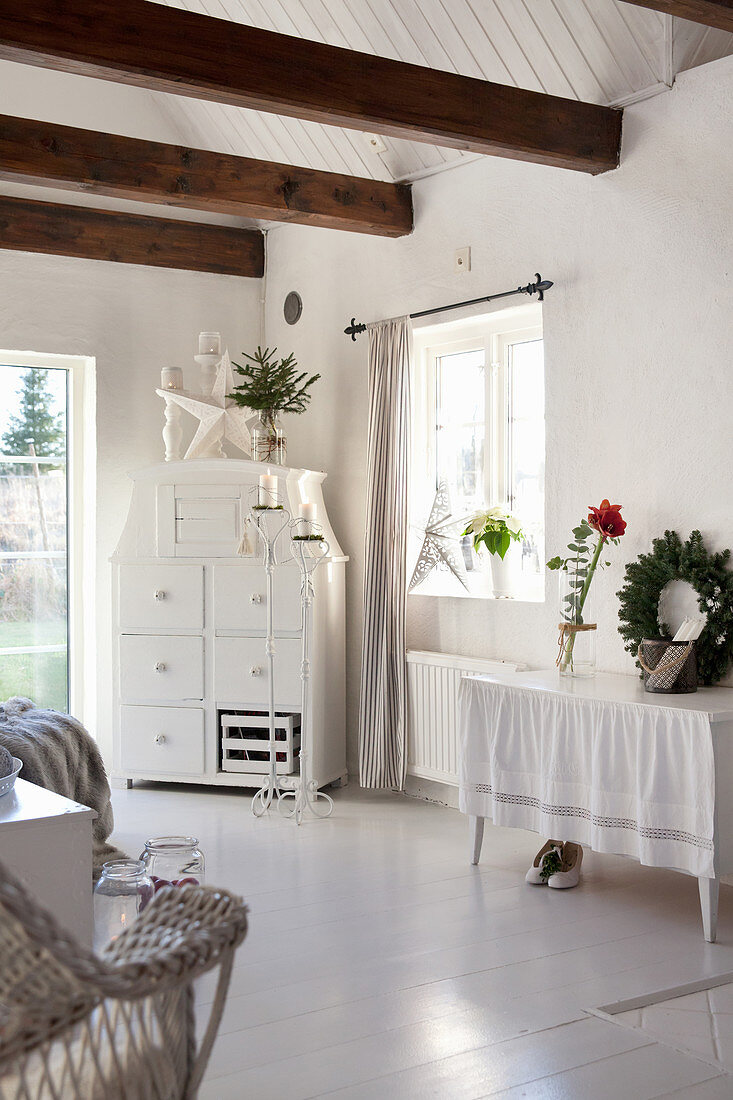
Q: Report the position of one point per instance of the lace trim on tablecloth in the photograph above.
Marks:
(595, 819)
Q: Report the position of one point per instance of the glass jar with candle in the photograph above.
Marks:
(209, 343)
(173, 861)
(171, 378)
(122, 892)
(268, 439)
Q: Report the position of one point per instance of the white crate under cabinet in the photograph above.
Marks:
(245, 742)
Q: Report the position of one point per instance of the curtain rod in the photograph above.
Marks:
(538, 287)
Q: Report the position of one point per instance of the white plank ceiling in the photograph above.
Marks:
(602, 51)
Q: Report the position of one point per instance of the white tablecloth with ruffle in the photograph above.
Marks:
(631, 778)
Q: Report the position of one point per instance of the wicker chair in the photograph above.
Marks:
(77, 1026)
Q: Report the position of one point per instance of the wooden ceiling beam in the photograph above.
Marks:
(60, 230)
(170, 50)
(81, 160)
(713, 13)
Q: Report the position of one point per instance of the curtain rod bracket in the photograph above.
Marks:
(538, 287)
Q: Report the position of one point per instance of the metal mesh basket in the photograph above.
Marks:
(669, 668)
(7, 782)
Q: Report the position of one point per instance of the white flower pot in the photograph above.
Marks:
(501, 574)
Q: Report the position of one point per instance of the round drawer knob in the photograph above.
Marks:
(255, 598)
(255, 670)
(160, 739)
(160, 594)
(160, 666)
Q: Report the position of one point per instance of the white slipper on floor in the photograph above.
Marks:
(534, 874)
(572, 858)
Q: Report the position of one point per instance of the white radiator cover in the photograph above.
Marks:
(432, 709)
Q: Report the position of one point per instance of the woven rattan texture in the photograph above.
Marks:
(76, 1026)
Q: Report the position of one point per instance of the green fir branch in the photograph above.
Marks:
(272, 385)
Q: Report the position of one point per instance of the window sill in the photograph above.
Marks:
(526, 589)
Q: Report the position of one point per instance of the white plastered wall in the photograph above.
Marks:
(639, 344)
(132, 320)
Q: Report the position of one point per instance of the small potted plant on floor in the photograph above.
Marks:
(495, 530)
(271, 386)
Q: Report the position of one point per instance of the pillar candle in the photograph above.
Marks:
(171, 378)
(267, 496)
(307, 513)
(209, 343)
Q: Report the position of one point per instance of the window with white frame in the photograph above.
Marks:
(46, 535)
(479, 428)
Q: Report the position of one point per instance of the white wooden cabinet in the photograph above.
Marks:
(190, 617)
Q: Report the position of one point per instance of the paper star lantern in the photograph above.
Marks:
(441, 546)
(220, 418)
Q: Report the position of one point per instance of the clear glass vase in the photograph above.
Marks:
(269, 443)
(577, 627)
(174, 861)
(122, 892)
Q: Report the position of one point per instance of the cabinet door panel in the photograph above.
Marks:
(161, 597)
(241, 673)
(162, 667)
(240, 598)
(162, 739)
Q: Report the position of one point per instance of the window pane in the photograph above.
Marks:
(460, 426)
(527, 447)
(33, 535)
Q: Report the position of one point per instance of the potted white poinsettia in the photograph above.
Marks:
(495, 530)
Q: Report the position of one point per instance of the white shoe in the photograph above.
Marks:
(534, 874)
(572, 858)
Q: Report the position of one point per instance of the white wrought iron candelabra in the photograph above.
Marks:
(309, 550)
(263, 518)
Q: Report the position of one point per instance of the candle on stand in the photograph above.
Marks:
(267, 496)
(171, 378)
(209, 343)
(307, 513)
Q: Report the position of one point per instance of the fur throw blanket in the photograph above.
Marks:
(59, 754)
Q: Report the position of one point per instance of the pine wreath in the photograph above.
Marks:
(673, 560)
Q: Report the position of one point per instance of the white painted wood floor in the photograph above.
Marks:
(380, 964)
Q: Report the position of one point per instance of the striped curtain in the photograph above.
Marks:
(382, 715)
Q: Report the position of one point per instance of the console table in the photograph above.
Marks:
(603, 763)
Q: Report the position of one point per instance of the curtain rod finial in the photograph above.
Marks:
(538, 287)
(353, 329)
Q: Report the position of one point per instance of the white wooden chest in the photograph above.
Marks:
(190, 617)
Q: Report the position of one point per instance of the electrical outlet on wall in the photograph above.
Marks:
(462, 261)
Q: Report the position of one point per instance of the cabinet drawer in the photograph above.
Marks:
(157, 597)
(240, 598)
(241, 674)
(161, 667)
(162, 739)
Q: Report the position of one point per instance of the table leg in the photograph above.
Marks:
(477, 836)
(709, 889)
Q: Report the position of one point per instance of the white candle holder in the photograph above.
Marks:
(172, 431)
(309, 551)
(269, 520)
(208, 365)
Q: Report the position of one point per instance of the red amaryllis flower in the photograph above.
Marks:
(607, 520)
